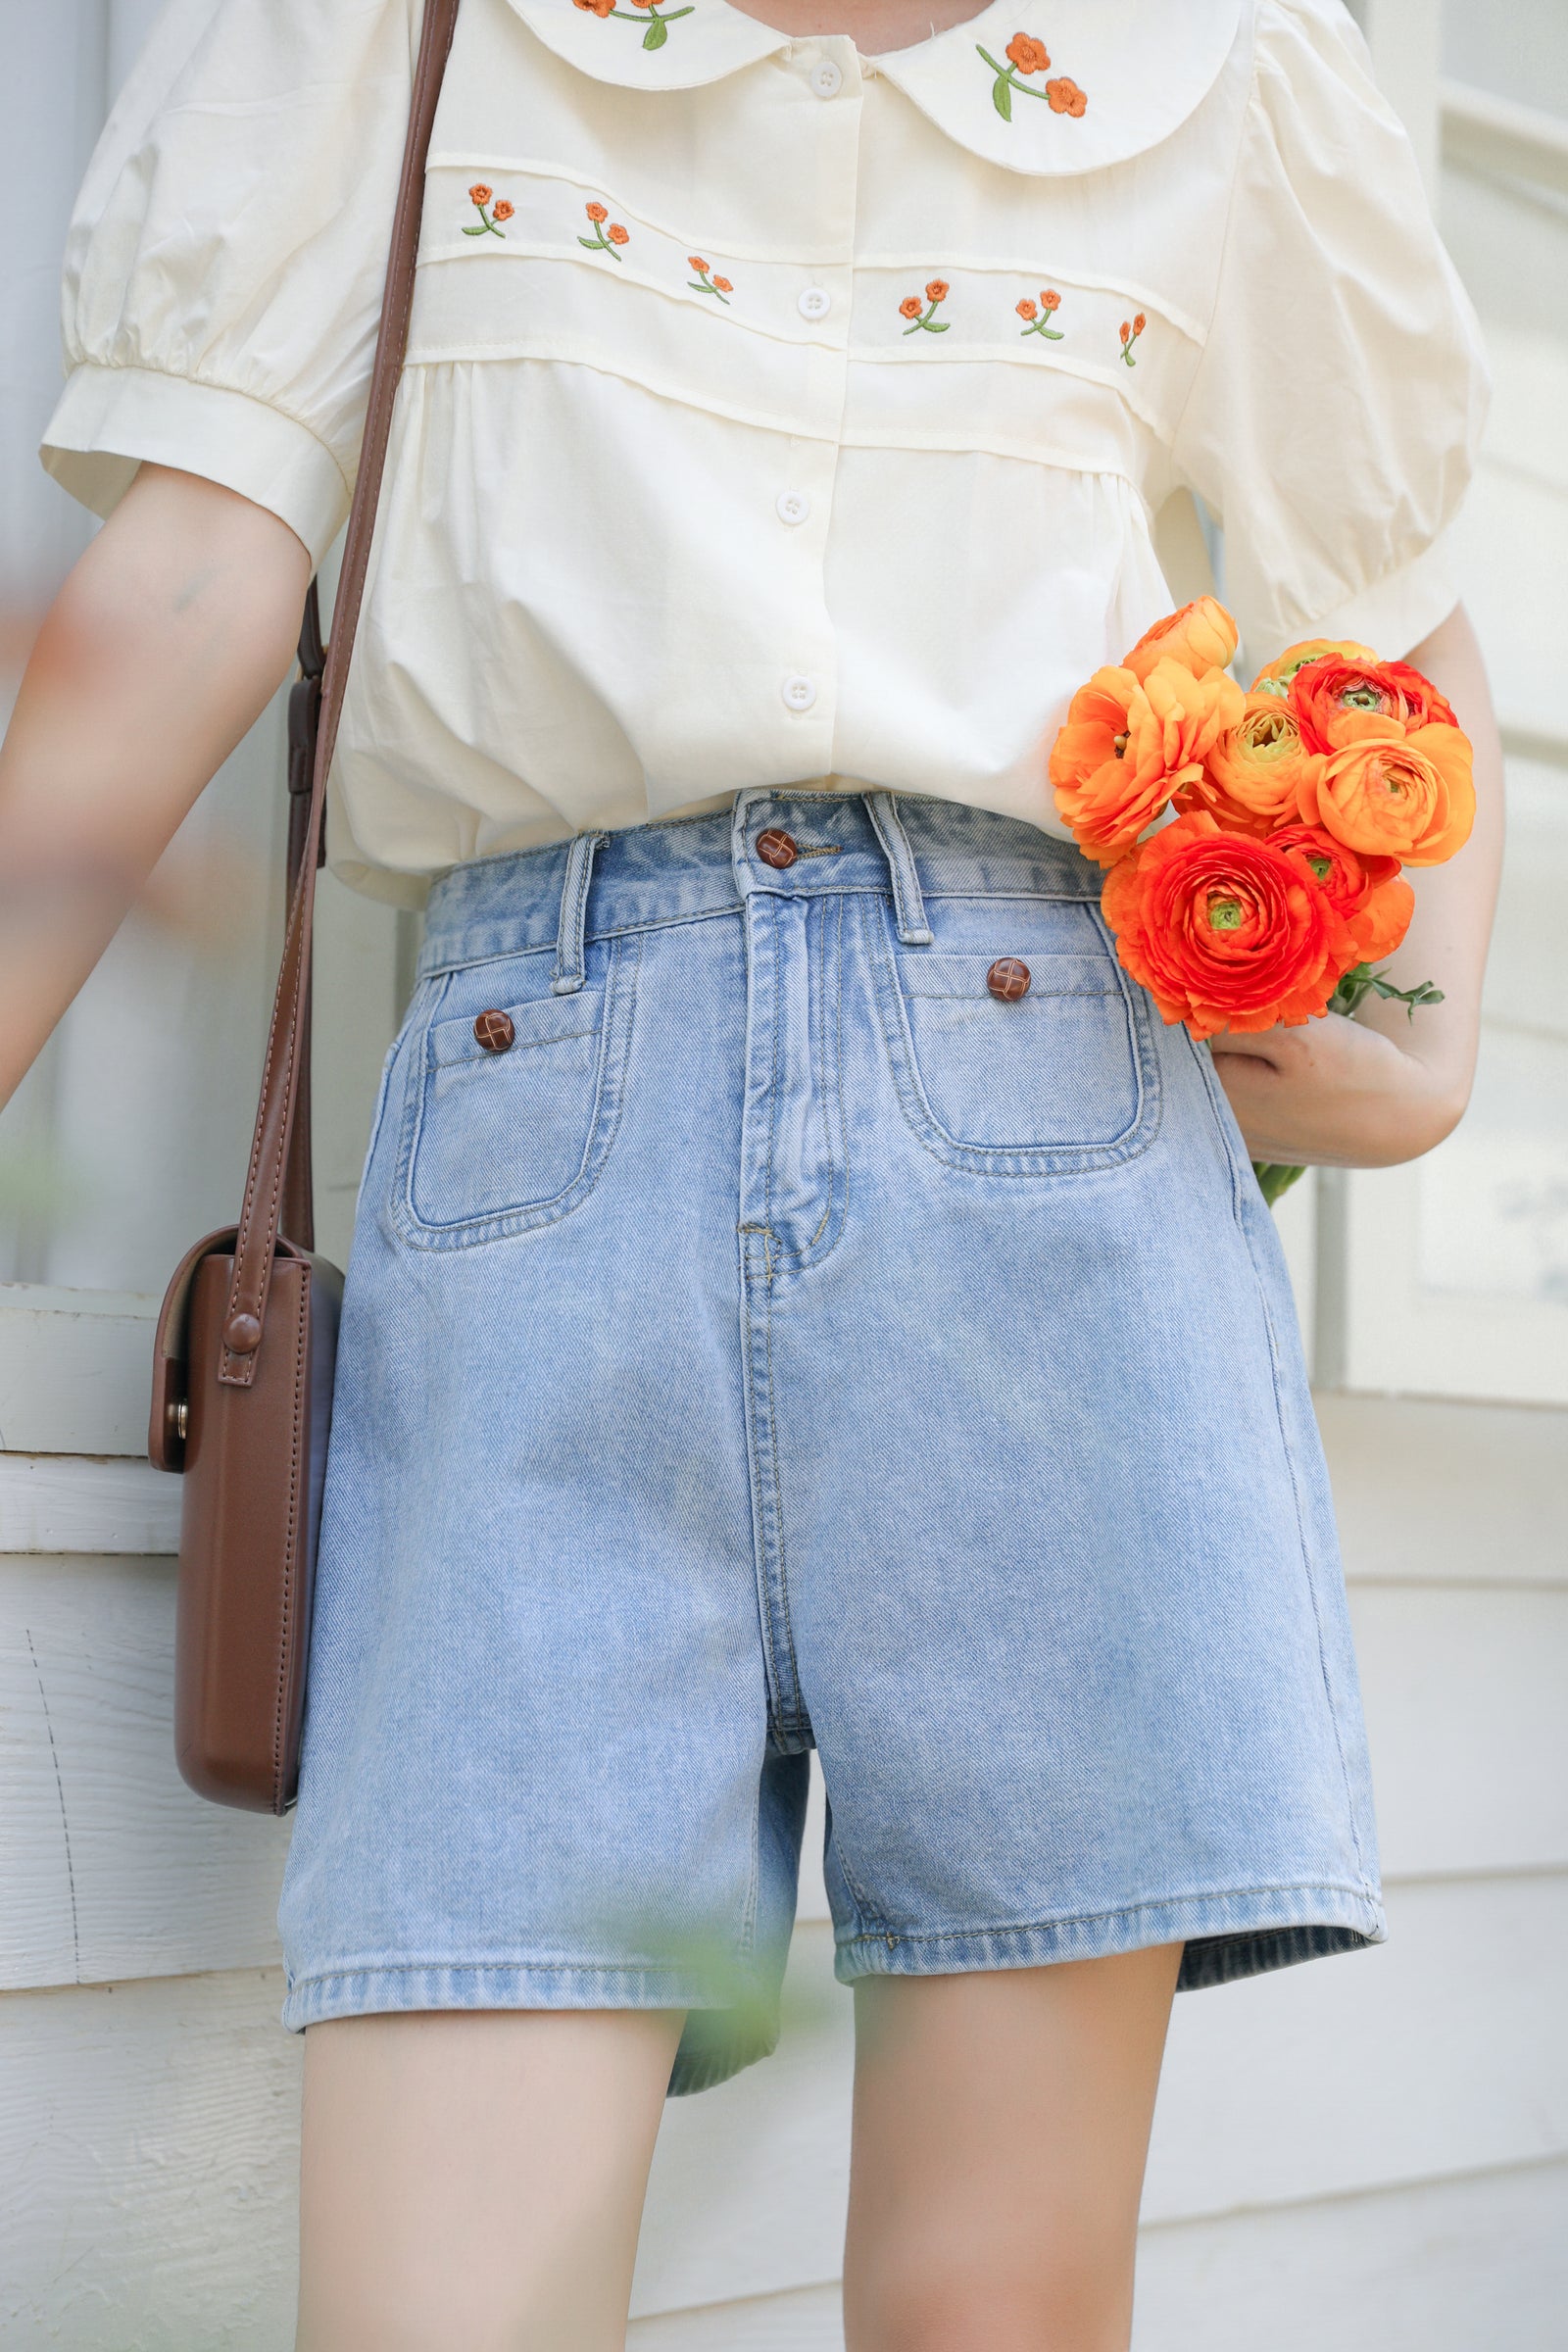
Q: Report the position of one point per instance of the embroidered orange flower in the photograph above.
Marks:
(1129, 745)
(1368, 891)
(603, 240)
(655, 27)
(595, 8)
(479, 196)
(1276, 677)
(1131, 330)
(1225, 932)
(1034, 324)
(1254, 771)
(1027, 54)
(1024, 55)
(1339, 701)
(910, 308)
(1410, 797)
(1200, 636)
(705, 282)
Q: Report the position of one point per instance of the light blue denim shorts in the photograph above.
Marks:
(787, 1341)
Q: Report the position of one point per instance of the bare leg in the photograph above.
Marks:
(1000, 2131)
(477, 2178)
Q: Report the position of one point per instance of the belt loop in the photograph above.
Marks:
(907, 904)
(570, 971)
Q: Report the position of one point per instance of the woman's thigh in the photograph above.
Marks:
(1000, 2129)
(477, 2178)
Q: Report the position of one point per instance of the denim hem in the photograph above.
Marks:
(1243, 1932)
(715, 2044)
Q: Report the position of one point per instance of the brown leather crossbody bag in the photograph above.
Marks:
(247, 1337)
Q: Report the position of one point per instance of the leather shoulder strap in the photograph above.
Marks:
(257, 1241)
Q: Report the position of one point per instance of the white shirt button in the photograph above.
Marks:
(793, 506)
(826, 78)
(814, 302)
(799, 692)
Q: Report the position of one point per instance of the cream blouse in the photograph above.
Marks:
(773, 414)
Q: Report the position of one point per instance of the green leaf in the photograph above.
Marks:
(1274, 1177)
(476, 233)
(1001, 97)
(938, 327)
(658, 34)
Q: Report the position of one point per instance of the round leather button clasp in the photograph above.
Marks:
(776, 847)
(493, 1031)
(1009, 979)
(242, 1335)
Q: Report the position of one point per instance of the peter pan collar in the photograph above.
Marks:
(1039, 86)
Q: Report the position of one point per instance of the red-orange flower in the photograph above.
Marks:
(721, 285)
(1050, 299)
(1369, 892)
(479, 193)
(1275, 677)
(1027, 54)
(909, 307)
(1128, 745)
(596, 212)
(1253, 773)
(1066, 97)
(1138, 323)
(936, 289)
(1200, 636)
(503, 209)
(1027, 308)
(596, 8)
(694, 261)
(616, 233)
(1410, 797)
(1340, 701)
(1223, 930)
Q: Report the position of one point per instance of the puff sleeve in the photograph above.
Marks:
(225, 261)
(1333, 420)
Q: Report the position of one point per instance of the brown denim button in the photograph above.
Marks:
(494, 1031)
(776, 846)
(1009, 979)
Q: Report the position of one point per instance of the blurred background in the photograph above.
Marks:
(1374, 2148)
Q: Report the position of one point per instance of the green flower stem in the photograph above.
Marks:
(1057, 334)
(654, 27)
(486, 224)
(1274, 1177)
(940, 328)
(1006, 83)
(600, 243)
(701, 285)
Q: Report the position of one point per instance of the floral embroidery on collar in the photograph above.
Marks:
(1130, 334)
(604, 240)
(655, 28)
(705, 282)
(480, 197)
(1037, 317)
(1025, 55)
(910, 308)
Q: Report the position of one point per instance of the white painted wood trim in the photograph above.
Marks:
(75, 1369)
(54, 1502)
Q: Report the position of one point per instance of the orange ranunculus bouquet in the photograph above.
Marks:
(1276, 885)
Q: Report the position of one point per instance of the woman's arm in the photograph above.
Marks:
(1386, 1086)
(165, 644)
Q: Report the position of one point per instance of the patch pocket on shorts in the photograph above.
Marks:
(497, 1143)
(1059, 1081)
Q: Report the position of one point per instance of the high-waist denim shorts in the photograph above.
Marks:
(802, 1295)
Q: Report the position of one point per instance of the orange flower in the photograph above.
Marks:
(1200, 636)
(1128, 745)
(596, 212)
(1066, 97)
(694, 261)
(1409, 797)
(596, 8)
(909, 307)
(1027, 54)
(724, 285)
(1027, 308)
(1253, 773)
(479, 193)
(1126, 330)
(616, 233)
(503, 209)
(936, 289)
(1338, 701)
(1050, 299)
(1276, 677)
(1138, 323)
(1224, 931)
(1369, 892)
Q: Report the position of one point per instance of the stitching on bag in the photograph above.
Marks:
(292, 1555)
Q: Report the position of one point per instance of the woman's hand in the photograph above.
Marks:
(168, 639)
(1386, 1085)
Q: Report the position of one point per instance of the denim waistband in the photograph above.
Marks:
(598, 884)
